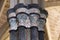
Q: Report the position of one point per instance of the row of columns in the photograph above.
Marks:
(26, 14)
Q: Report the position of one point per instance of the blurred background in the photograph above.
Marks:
(52, 29)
